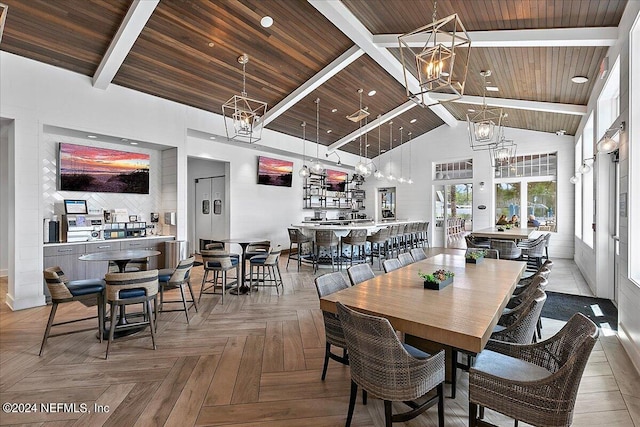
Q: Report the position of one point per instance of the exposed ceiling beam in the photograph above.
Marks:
(314, 82)
(338, 14)
(549, 107)
(371, 125)
(131, 27)
(552, 37)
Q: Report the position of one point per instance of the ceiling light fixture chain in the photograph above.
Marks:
(390, 176)
(317, 167)
(378, 173)
(304, 170)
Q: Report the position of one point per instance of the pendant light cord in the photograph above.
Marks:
(317, 129)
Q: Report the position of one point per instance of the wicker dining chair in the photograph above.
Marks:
(533, 383)
(326, 285)
(177, 278)
(405, 259)
(389, 369)
(418, 254)
(63, 290)
(391, 264)
(138, 287)
(519, 325)
(507, 249)
(359, 273)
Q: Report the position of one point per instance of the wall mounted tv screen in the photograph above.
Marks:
(101, 170)
(336, 180)
(274, 172)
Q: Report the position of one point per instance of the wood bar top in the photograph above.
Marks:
(514, 233)
(461, 315)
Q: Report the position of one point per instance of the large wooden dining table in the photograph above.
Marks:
(513, 233)
(462, 315)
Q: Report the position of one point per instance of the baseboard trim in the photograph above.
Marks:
(632, 350)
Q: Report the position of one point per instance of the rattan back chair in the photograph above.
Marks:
(359, 273)
(405, 259)
(138, 287)
(379, 242)
(418, 254)
(217, 263)
(296, 241)
(177, 278)
(391, 264)
(533, 383)
(519, 325)
(388, 369)
(63, 290)
(326, 285)
(267, 270)
(507, 249)
(355, 239)
(329, 240)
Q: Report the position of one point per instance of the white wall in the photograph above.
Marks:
(37, 95)
(448, 144)
(586, 258)
(5, 128)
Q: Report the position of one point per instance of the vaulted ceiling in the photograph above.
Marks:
(186, 51)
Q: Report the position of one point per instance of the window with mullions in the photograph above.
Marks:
(527, 188)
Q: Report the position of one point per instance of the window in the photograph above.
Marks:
(529, 181)
(541, 203)
(587, 184)
(507, 199)
(462, 169)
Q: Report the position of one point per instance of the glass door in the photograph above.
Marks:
(453, 214)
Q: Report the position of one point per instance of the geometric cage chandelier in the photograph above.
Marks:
(503, 153)
(245, 112)
(485, 126)
(437, 55)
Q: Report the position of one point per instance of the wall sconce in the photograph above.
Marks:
(583, 169)
(609, 143)
(481, 185)
(339, 160)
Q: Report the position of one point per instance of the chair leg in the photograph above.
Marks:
(112, 328)
(152, 324)
(100, 315)
(440, 390)
(193, 298)
(204, 281)
(184, 302)
(289, 257)
(352, 402)
(473, 414)
(326, 360)
(388, 414)
(52, 314)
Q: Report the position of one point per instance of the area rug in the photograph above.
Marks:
(561, 306)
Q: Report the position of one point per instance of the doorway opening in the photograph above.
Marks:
(453, 213)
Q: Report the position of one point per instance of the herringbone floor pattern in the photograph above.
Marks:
(254, 361)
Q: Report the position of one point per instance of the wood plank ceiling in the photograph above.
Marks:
(188, 53)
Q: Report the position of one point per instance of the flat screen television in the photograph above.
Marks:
(102, 170)
(75, 207)
(274, 172)
(336, 180)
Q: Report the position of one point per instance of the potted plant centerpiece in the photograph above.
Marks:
(436, 280)
(474, 256)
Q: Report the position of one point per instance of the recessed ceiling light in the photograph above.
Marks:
(561, 132)
(413, 120)
(266, 21)
(492, 88)
(133, 143)
(92, 137)
(212, 137)
(471, 110)
(579, 79)
(383, 150)
(371, 92)
(124, 140)
(334, 110)
(211, 44)
(329, 131)
(368, 145)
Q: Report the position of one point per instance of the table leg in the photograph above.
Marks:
(242, 288)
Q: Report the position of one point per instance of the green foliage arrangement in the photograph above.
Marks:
(436, 276)
(475, 254)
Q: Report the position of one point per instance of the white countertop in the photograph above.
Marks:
(319, 225)
(129, 239)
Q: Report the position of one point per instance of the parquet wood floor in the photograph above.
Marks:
(254, 361)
